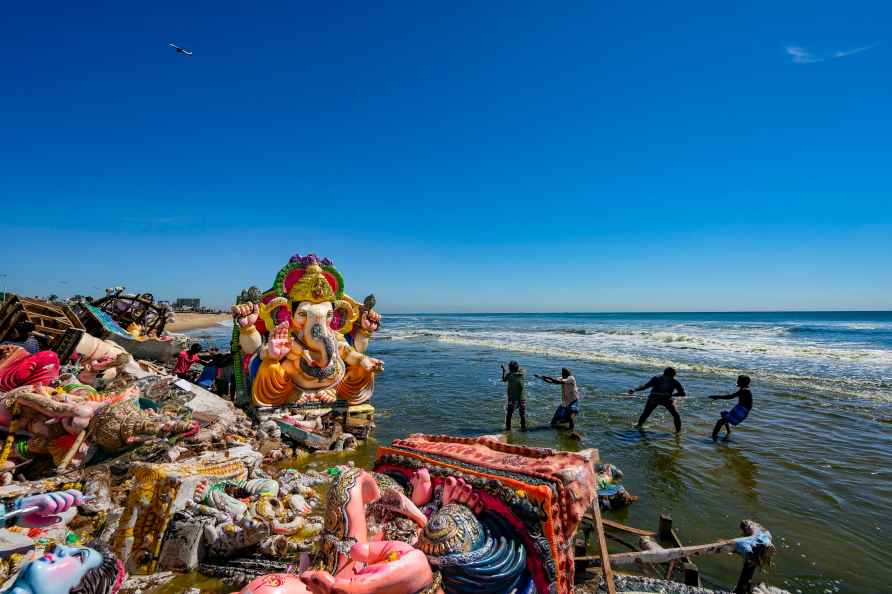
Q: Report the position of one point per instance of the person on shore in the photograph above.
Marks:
(185, 361)
(569, 407)
(513, 377)
(208, 376)
(222, 386)
(662, 390)
(736, 415)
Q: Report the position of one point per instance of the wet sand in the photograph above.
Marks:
(196, 321)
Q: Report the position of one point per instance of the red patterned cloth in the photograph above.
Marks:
(19, 368)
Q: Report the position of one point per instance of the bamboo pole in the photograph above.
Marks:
(78, 441)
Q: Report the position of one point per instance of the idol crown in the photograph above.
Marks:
(312, 286)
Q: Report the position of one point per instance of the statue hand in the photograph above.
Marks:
(372, 365)
(49, 505)
(246, 314)
(279, 342)
(370, 321)
(390, 566)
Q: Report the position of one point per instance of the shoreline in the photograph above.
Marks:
(196, 321)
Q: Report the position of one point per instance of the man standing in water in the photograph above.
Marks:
(569, 408)
(662, 389)
(516, 398)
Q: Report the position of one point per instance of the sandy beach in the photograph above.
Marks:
(195, 321)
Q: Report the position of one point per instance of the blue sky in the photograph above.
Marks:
(491, 156)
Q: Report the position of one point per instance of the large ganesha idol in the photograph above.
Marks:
(293, 342)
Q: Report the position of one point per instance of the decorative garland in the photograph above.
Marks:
(10, 437)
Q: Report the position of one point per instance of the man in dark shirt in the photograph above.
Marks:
(662, 389)
(736, 415)
(516, 398)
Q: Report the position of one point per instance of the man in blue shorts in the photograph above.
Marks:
(569, 408)
(736, 415)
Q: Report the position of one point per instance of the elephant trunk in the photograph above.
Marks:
(397, 502)
(322, 350)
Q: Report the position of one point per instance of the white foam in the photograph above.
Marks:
(727, 351)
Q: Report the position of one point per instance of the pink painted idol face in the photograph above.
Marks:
(57, 572)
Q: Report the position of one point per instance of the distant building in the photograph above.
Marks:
(187, 303)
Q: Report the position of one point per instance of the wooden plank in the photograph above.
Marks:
(691, 574)
(666, 555)
(666, 527)
(42, 308)
(670, 570)
(602, 548)
(691, 571)
(629, 529)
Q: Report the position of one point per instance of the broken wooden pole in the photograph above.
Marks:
(670, 570)
(625, 528)
(646, 543)
(69, 455)
(666, 555)
(691, 574)
(755, 547)
(602, 548)
(665, 529)
(744, 582)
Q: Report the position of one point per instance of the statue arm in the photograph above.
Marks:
(249, 340)
(353, 357)
(245, 316)
(350, 355)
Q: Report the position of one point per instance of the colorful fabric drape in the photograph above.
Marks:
(19, 368)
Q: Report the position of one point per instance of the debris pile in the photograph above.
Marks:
(118, 476)
(107, 456)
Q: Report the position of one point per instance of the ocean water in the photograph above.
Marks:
(811, 462)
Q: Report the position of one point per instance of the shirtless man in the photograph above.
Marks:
(662, 389)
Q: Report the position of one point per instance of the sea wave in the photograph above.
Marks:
(853, 372)
(870, 328)
(871, 389)
(644, 339)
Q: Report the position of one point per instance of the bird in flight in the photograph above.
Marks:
(180, 50)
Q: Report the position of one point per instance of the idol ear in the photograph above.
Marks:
(344, 315)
